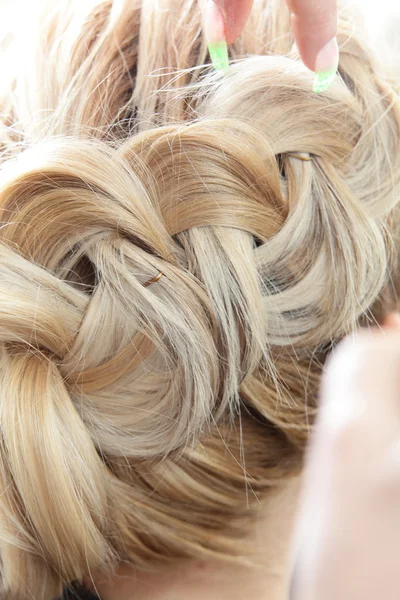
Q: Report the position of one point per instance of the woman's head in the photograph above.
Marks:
(135, 416)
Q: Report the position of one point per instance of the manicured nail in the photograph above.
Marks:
(219, 55)
(214, 30)
(326, 65)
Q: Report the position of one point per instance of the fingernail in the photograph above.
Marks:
(214, 31)
(326, 65)
(219, 55)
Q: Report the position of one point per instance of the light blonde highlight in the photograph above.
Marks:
(126, 407)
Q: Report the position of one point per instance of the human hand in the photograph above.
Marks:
(314, 25)
(348, 538)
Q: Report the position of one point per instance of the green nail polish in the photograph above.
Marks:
(323, 80)
(219, 55)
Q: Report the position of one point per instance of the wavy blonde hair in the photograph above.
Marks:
(143, 422)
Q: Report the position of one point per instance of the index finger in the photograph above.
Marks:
(314, 26)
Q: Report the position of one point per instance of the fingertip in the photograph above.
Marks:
(305, 50)
(235, 13)
(314, 28)
(213, 23)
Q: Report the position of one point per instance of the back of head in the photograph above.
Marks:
(173, 275)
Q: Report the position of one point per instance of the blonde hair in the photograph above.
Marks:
(143, 422)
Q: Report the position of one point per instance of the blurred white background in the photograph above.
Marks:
(383, 21)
